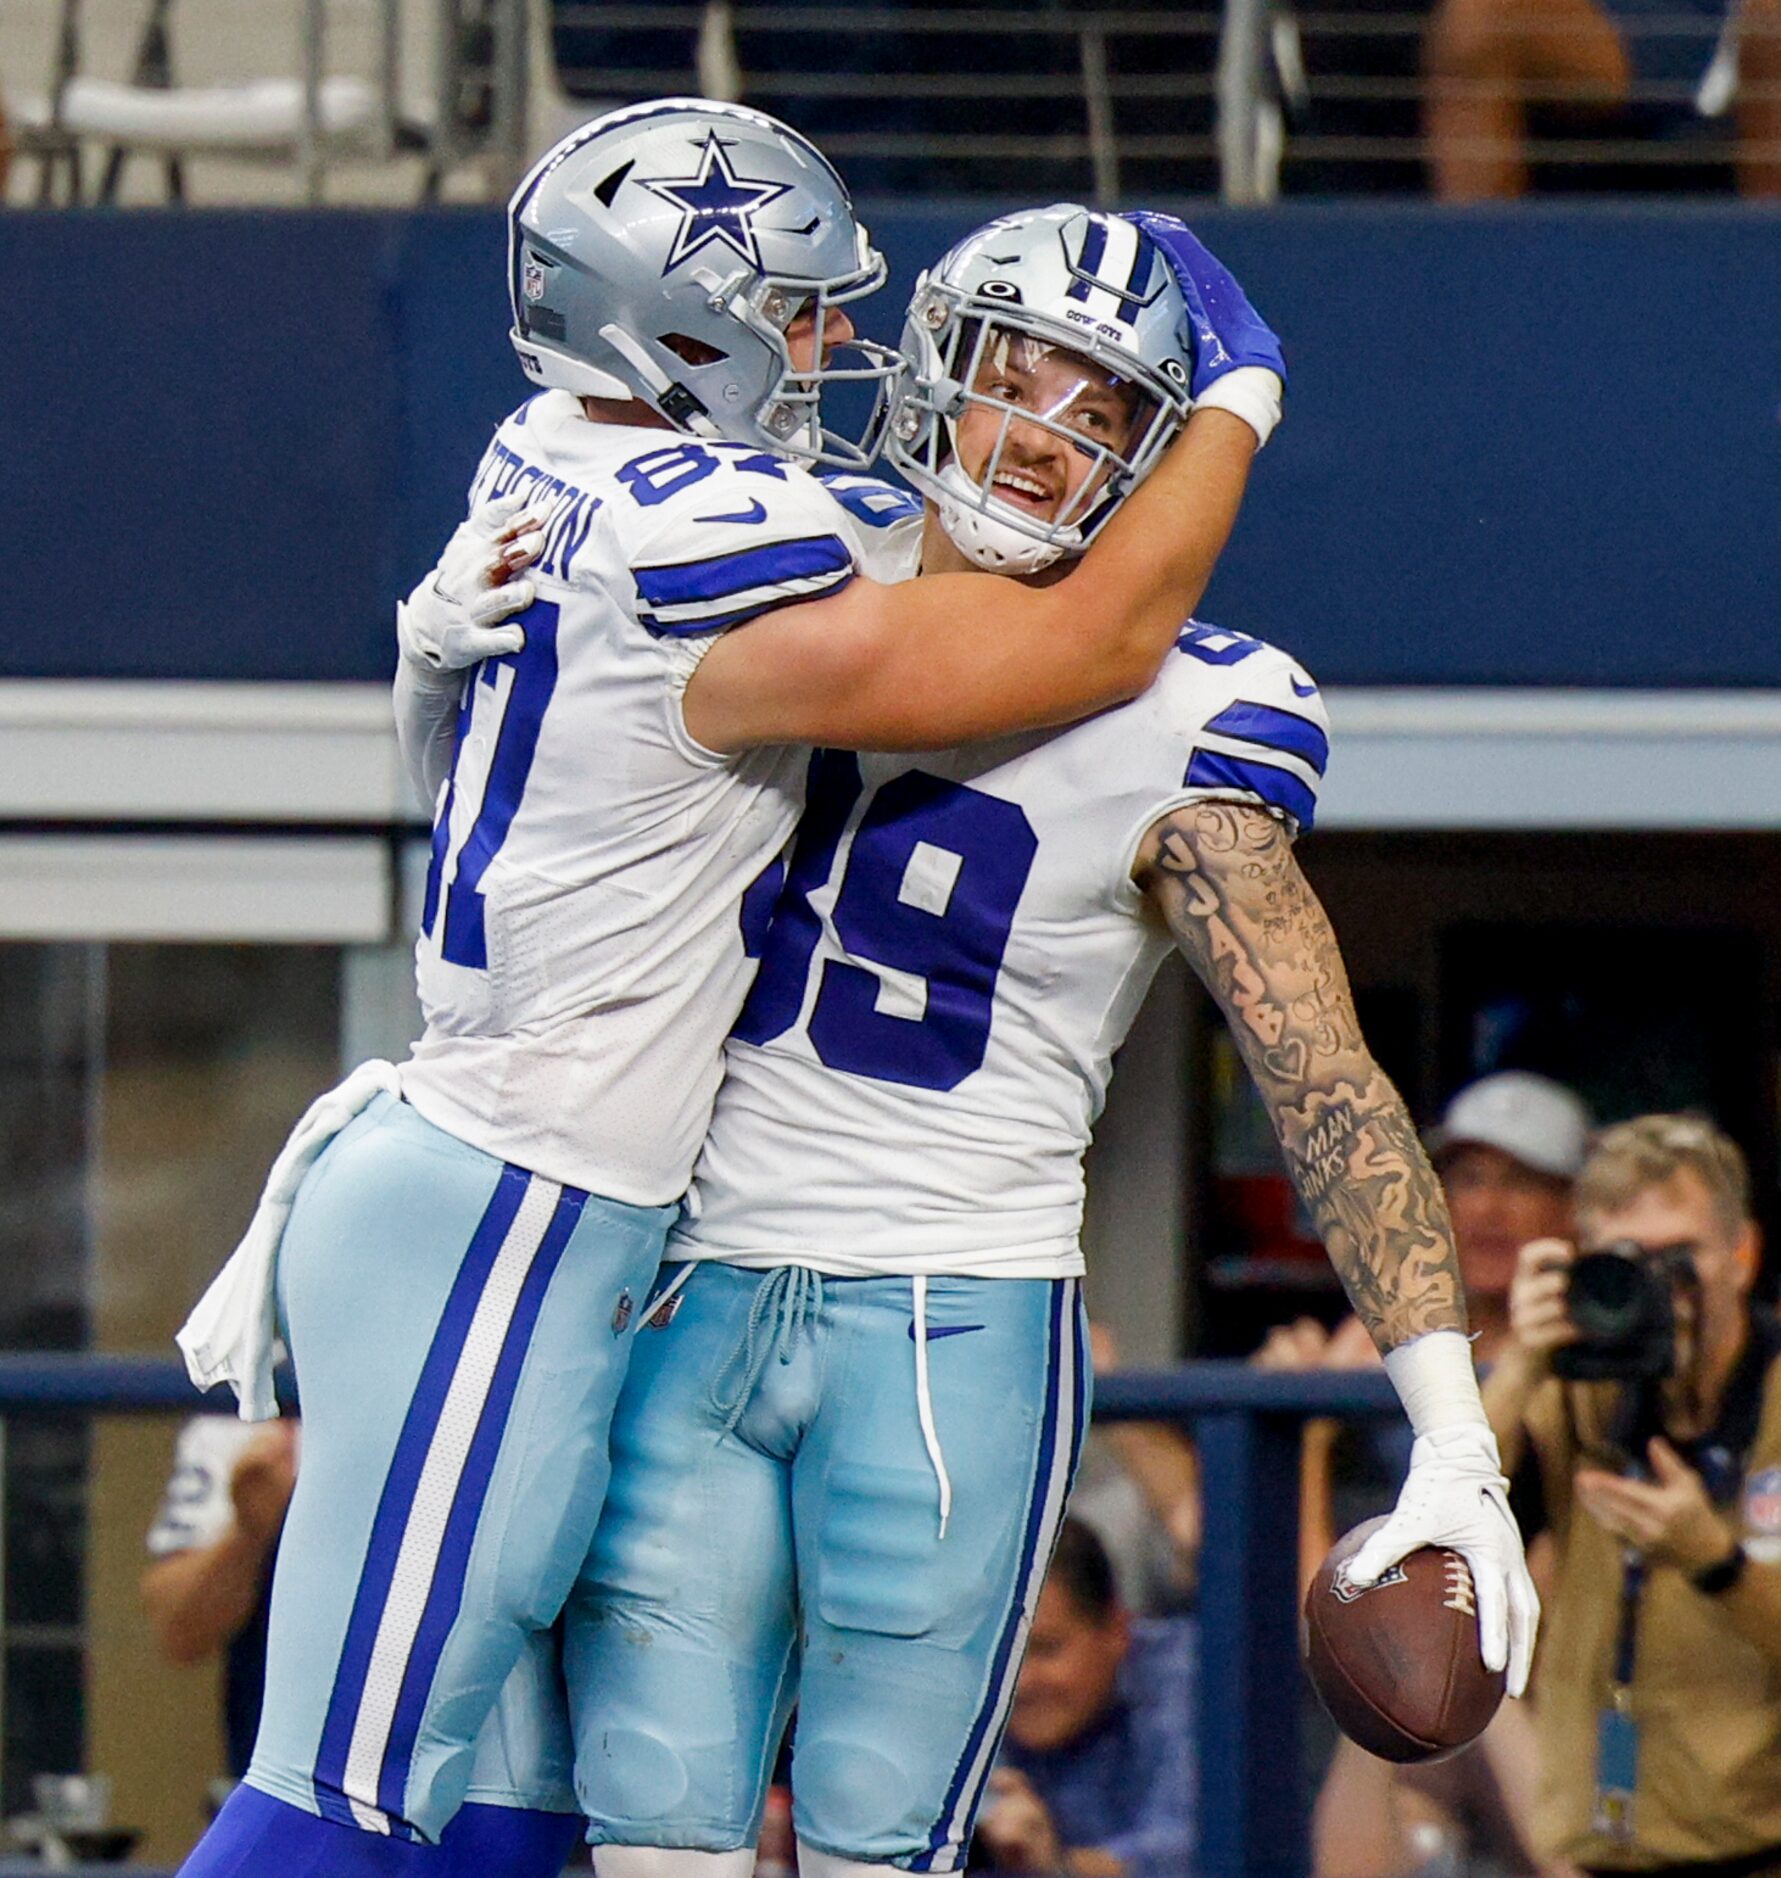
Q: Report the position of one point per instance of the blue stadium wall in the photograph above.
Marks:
(1530, 446)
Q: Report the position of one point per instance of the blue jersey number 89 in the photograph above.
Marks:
(932, 882)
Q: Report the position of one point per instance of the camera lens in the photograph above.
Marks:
(1619, 1301)
(1607, 1296)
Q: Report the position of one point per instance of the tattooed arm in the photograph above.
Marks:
(1224, 878)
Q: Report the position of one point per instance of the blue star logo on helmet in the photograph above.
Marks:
(715, 205)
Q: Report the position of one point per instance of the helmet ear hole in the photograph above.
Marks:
(692, 351)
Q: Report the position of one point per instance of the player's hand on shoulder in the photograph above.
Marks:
(1455, 1497)
(453, 619)
(1238, 364)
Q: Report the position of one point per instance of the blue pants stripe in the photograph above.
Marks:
(447, 1590)
(1062, 1418)
(397, 1501)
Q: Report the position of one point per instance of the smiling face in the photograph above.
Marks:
(1042, 426)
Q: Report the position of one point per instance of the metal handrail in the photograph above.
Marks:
(57, 1382)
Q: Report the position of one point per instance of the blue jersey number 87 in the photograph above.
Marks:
(532, 674)
(929, 893)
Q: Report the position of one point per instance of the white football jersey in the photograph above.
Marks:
(581, 955)
(956, 952)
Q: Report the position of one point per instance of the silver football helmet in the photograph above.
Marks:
(661, 251)
(1061, 321)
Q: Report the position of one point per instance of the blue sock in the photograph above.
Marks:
(256, 1836)
(483, 1840)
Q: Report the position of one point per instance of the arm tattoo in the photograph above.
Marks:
(1225, 879)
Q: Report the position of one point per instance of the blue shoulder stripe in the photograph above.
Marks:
(1280, 788)
(724, 576)
(868, 500)
(1276, 729)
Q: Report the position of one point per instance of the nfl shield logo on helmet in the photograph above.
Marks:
(532, 280)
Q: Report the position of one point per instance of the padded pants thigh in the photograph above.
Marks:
(456, 1329)
(679, 1639)
(912, 1640)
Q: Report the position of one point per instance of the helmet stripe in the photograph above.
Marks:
(1137, 283)
(1094, 246)
(1115, 267)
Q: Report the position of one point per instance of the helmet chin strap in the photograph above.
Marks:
(985, 539)
(672, 399)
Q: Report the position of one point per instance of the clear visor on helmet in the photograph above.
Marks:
(1045, 437)
(803, 321)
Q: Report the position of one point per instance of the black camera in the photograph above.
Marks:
(1622, 1300)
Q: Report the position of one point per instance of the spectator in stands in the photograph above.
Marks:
(1138, 1490)
(5, 149)
(212, 1547)
(1489, 60)
(1097, 1773)
(1658, 1682)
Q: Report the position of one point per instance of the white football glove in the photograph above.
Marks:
(1455, 1496)
(450, 621)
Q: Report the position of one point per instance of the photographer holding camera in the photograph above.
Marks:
(1648, 1387)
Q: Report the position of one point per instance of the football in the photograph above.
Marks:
(1397, 1665)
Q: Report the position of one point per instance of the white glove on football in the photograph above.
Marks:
(450, 620)
(1455, 1496)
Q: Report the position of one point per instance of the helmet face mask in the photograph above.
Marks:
(1041, 429)
(1045, 371)
(661, 253)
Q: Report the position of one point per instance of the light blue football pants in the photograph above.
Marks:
(458, 1331)
(773, 1536)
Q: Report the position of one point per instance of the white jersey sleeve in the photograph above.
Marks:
(1230, 719)
(712, 540)
(885, 524)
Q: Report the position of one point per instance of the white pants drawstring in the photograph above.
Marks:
(924, 1400)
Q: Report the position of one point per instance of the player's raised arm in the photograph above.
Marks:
(1049, 360)
(1224, 878)
(955, 657)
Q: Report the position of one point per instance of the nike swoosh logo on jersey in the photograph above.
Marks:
(945, 1330)
(755, 512)
(1303, 691)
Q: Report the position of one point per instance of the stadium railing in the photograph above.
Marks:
(1253, 1805)
(1249, 99)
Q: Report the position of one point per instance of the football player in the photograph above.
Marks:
(465, 1255)
(852, 1417)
